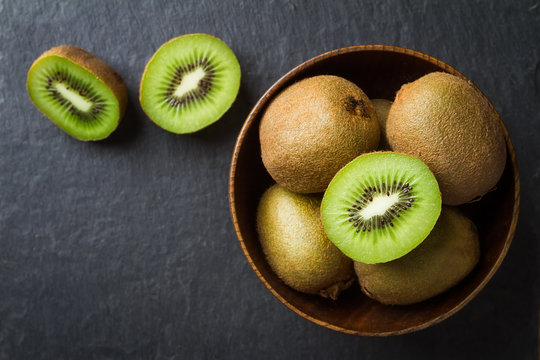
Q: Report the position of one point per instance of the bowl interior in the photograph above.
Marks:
(379, 71)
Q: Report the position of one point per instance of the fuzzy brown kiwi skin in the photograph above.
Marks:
(382, 108)
(448, 123)
(447, 256)
(313, 128)
(94, 65)
(296, 247)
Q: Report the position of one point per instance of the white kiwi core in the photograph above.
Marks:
(379, 206)
(73, 97)
(190, 82)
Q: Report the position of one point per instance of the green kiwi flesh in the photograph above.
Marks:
(295, 244)
(80, 93)
(380, 206)
(189, 83)
(448, 255)
(313, 128)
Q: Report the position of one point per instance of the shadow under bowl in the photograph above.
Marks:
(380, 71)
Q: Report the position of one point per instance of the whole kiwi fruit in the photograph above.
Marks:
(445, 257)
(382, 108)
(295, 244)
(313, 128)
(445, 121)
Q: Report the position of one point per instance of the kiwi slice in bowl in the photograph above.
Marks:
(380, 206)
(189, 83)
(79, 92)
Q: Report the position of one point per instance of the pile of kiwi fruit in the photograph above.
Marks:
(367, 190)
(188, 84)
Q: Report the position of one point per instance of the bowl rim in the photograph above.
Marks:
(293, 73)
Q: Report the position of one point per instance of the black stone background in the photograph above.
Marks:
(125, 249)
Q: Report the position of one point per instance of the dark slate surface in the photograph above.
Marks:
(125, 248)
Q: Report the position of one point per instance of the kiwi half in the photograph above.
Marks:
(189, 83)
(380, 206)
(79, 92)
(297, 249)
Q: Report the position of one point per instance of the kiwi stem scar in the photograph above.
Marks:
(73, 97)
(189, 82)
(352, 104)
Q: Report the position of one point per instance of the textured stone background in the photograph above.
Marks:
(125, 248)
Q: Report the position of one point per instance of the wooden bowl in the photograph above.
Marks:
(380, 71)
